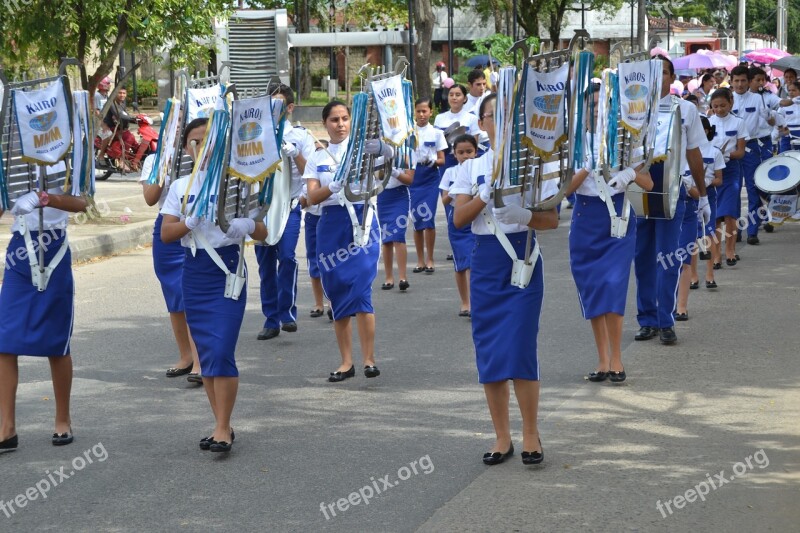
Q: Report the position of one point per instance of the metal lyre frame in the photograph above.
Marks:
(529, 169)
(21, 176)
(361, 184)
(182, 163)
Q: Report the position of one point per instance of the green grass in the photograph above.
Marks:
(317, 98)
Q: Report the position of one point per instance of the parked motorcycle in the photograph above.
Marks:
(124, 154)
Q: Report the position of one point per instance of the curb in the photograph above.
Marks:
(113, 241)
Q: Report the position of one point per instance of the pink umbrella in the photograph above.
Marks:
(700, 60)
(658, 51)
(765, 56)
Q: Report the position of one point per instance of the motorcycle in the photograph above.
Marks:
(124, 154)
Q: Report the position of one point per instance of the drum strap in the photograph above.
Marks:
(360, 234)
(522, 269)
(234, 281)
(40, 274)
(619, 223)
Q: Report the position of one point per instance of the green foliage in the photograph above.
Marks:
(497, 45)
(600, 64)
(146, 89)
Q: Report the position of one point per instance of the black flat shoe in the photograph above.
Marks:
(449, 257)
(646, 333)
(597, 376)
(194, 378)
(464, 313)
(175, 372)
(316, 313)
(496, 458)
(769, 228)
(730, 262)
(387, 286)
(220, 446)
(63, 439)
(341, 376)
(667, 336)
(430, 270)
(372, 371)
(736, 256)
(694, 285)
(711, 284)
(717, 266)
(205, 443)
(268, 333)
(681, 317)
(330, 314)
(417, 270)
(404, 284)
(533, 458)
(291, 327)
(753, 240)
(617, 377)
(10, 443)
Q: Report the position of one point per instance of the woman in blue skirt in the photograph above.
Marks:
(430, 155)
(38, 323)
(168, 265)
(600, 263)
(691, 230)
(394, 205)
(347, 270)
(462, 241)
(505, 319)
(730, 137)
(311, 218)
(214, 320)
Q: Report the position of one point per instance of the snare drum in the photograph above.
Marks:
(779, 174)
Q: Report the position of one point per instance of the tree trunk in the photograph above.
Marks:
(641, 23)
(304, 83)
(556, 15)
(498, 16)
(528, 16)
(424, 20)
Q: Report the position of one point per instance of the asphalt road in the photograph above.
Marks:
(728, 389)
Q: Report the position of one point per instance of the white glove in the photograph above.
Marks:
(688, 182)
(335, 186)
(485, 193)
(25, 204)
(290, 150)
(378, 147)
(241, 228)
(191, 222)
(431, 163)
(703, 210)
(396, 172)
(512, 214)
(621, 181)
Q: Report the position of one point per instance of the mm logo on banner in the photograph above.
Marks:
(636, 94)
(249, 132)
(549, 104)
(45, 123)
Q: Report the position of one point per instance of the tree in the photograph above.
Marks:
(47, 30)
(424, 20)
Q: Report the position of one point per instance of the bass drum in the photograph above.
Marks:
(281, 204)
(779, 174)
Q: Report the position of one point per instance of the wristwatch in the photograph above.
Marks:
(44, 198)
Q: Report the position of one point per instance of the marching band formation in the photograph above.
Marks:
(648, 175)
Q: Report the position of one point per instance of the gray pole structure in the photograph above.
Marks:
(740, 28)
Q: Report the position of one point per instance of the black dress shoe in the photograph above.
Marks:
(291, 327)
(667, 336)
(646, 333)
(597, 376)
(330, 314)
(10, 443)
(769, 228)
(316, 313)
(694, 284)
(730, 262)
(63, 439)
(717, 266)
(417, 270)
(268, 333)
(341, 376)
(496, 458)
(220, 446)
(753, 240)
(617, 377)
(205, 444)
(175, 372)
(372, 371)
(194, 378)
(711, 284)
(404, 284)
(387, 286)
(681, 317)
(533, 458)
(449, 257)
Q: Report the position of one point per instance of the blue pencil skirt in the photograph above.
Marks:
(214, 321)
(424, 197)
(311, 245)
(393, 209)
(168, 265)
(462, 241)
(600, 263)
(729, 194)
(505, 319)
(347, 270)
(712, 203)
(36, 323)
(690, 229)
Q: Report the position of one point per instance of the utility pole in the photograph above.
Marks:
(740, 28)
(641, 24)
